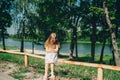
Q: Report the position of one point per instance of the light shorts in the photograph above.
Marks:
(50, 57)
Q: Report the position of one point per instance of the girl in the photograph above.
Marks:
(51, 47)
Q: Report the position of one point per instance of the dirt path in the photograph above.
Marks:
(4, 76)
(7, 70)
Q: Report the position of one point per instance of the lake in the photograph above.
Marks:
(83, 48)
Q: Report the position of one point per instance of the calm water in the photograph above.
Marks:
(82, 48)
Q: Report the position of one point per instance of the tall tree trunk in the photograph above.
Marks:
(3, 39)
(93, 36)
(113, 37)
(117, 15)
(33, 46)
(22, 37)
(22, 40)
(92, 51)
(93, 39)
(23, 29)
(102, 51)
(72, 45)
(76, 26)
(73, 24)
(76, 48)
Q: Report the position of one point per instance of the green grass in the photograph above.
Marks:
(18, 76)
(63, 70)
(111, 75)
(9, 47)
(87, 58)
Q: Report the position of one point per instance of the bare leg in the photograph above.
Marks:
(52, 68)
(52, 65)
(46, 71)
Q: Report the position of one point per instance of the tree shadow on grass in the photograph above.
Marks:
(79, 59)
(87, 58)
(85, 78)
(63, 56)
(83, 59)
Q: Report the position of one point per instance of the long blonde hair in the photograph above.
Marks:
(49, 42)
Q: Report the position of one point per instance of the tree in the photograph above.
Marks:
(76, 14)
(21, 9)
(91, 21)
(113, 37)
(74, 19)
(117, 16)
(31, 30)
(18, 16)
(51, 18)
(5, 18)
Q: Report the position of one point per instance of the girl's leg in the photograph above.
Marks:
(52, 65)
(46, 71)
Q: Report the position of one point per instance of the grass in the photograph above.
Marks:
(111, 75)
(63, 70)
(107, 58)
(9, 47)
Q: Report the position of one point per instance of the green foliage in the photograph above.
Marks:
(51, 18)
(96, 10)
(5, 17)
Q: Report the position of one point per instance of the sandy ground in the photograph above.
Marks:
(7, 69)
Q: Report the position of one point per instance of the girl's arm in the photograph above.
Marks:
(56, 48)
(49, 49)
